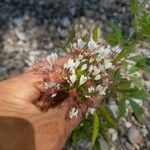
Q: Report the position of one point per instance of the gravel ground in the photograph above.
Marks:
(33, 28)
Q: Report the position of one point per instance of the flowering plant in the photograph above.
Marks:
(94, 68)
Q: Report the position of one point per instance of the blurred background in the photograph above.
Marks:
(32, 28)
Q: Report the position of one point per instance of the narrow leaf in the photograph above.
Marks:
(121, 107)
(125, 52)
(105, 113)
(95, 127)
(96, 33)
(138, 111)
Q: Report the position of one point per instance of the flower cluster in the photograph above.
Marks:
(88, 69)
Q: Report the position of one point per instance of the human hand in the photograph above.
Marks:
(51, 128)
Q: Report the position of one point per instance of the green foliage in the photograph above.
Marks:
(116, 36)
(106, 114)
(127, 87)
(141, 62)
(95, 127)
(144, 24)
(121, 107)
(137, 110)
(96, 33)
(71, 39)
(81, 131)
(128, 48)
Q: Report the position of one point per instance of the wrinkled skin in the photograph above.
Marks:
(50, 129)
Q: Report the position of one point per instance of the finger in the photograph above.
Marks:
(21, 87)
(62, 111)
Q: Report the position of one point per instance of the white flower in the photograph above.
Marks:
(96, 71)
(91, 89)
(107, 63)
(91, 69)
(97, 77)
(73, 113)
(81, 44)
(83, 60)
(53, 95)
(52, 57)
(74, 45)
(102, 68)
(68, 64)
(73, 78)
(80, 57)
(90, 111)
(83, 79)
(106, 52)
(91, 59)
(72, 70)
(84, 67)
(87, 96)
(76, 63)
(99, 57)
(92, 45)
(101, 89)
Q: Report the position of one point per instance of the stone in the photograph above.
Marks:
(20, 35)
(18, 21)
(144, 131)
(129, 146)
(104, 145)
(134, 136)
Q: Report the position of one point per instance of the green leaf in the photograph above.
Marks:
(125, 52)
(81, 131)
(133, 69)
(134, 11)
(144, 23)
(121, 107)
(139, 94)
(72, 35)
(97, 145)
(103, 129)
(95, 127)
(96, 33)
(134, 7)
(137, 82)
(137, 58)
(107, 116)
(116, 36)
(144, 64)
(117, 75)
(138, 111)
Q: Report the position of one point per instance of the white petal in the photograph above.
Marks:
(97, 77)
(80, 57)
(52, 57)
(73, 113)
(90, 111)
(107, 63)
(96, 70)
(84, 67)
(81, 44)
(91, 59)
(87, 96)
(73, 78)
(91, 89)
(91, 69)
(53, 95)
(83, 79)
(92, 45)
(99, 88)
(76, 63)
